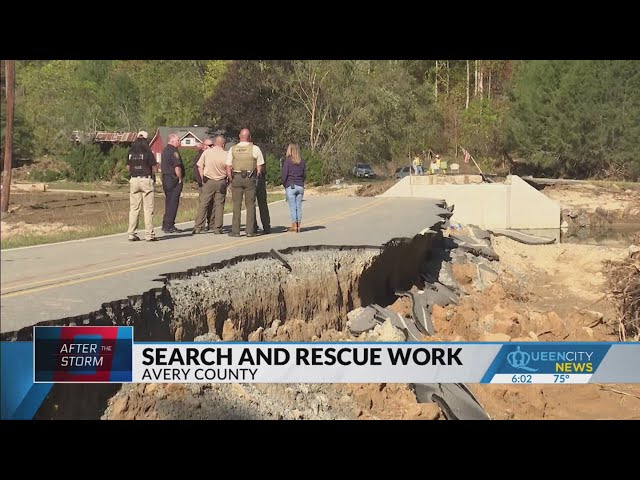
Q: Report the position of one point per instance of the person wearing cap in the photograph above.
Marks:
(206, 144)
(244, 162)
(212, 169)
(417, 164)
(142, 168)
(172, 174)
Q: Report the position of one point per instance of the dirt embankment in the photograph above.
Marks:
(597, 205)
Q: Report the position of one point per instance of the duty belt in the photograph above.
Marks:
(245, 173)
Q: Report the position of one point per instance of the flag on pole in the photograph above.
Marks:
(466, 154)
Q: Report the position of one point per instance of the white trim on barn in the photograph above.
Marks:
(187, 142)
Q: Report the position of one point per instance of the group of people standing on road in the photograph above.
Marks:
(242, 168)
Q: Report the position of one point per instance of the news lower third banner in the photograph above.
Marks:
(109, 355)
(380, 362)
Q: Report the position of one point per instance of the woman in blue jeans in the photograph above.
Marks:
(293, 174)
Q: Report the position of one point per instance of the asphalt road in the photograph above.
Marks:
(47, 282)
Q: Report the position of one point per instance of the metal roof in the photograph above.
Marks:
(115, 137)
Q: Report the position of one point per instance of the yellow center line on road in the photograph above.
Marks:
(170, 258)
(203, 250)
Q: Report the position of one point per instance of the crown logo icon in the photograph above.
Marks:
(520, 360)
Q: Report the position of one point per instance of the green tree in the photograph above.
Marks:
(481, 129)
(577, 118)
(23, 139)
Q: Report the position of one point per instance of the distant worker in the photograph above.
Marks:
(443, 165)
(244, 162)
(142, 168)
(433, 168)
(293, 175)
(172, 182)
(206, 144)
(212, 169)
(417, 164)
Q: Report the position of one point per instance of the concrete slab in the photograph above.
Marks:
(505, 205)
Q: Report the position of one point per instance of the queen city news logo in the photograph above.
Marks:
(551, 359)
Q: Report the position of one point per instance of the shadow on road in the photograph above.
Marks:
(309, 229)
(171, 236)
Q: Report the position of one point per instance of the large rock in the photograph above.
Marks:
(583, 221)
(494, 337)
(361, 319)
(229, 332)
(257, 335)
(591, 318)
(119, 405)
(509, 327)
(386, 332)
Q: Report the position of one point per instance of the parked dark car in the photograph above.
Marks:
(402, 172)
(363, 170)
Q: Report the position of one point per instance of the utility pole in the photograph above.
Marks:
(10, 77)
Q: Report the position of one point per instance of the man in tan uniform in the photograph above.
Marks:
(212, 170)
(244, 162)
(197, 176)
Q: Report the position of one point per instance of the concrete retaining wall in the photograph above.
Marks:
(513, 204)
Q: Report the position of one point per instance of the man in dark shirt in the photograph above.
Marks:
(172, 175)
(142, 168)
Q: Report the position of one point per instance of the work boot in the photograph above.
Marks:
(293, 228)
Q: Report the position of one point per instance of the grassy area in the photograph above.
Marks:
(107, 228)
(616, 183)
(89, 187)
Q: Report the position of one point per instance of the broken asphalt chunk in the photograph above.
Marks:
(361, 319)
(279, 258)
(474, 246)
(421, 308)
(455, 400)
(481, 234)
(407, 325)
(525, 238)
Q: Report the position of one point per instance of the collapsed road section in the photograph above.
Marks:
(298, 294)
